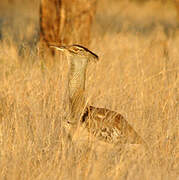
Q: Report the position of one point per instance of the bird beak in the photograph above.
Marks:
(60, 48)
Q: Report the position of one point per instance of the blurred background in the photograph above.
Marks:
(20, 19)
(137, 75)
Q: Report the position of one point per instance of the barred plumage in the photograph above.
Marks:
(104, 124)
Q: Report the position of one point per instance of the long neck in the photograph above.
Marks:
(76, 86)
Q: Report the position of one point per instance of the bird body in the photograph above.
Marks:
(104, 124)
(109, 126)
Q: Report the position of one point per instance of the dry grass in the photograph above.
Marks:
(137, 76)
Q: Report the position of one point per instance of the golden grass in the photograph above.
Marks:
(137, 75)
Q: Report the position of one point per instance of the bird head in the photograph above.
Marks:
(77, 51)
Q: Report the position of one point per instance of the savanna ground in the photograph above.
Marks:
(137, 75)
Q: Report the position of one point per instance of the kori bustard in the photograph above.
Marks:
(104, 124)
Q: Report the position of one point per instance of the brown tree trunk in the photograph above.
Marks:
(177, 8)
(66, 21)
